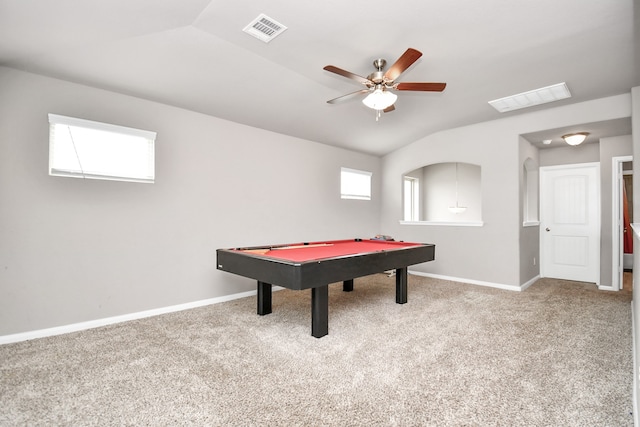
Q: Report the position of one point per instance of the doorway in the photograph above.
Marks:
(570, 222)
(622, 235)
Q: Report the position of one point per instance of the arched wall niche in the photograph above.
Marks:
(442, 193)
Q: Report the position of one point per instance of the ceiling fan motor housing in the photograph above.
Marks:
(377, 77)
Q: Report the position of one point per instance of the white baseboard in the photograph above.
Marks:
(529, 283)
(81, 326)
(478, 282)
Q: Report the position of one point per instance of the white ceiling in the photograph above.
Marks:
(193, 54)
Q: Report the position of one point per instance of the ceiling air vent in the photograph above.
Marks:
(533, 97)
(264, 28)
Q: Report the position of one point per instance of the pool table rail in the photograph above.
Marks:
(319, 272)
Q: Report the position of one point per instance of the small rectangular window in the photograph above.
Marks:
(355, 184)
(86, 149)
(411, 199)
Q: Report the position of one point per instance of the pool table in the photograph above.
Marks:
(315, 265)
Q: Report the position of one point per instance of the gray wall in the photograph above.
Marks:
(439, 191)
(529, 244)
(470, 259)
(75, 250)
(491, 253)
(568, 155)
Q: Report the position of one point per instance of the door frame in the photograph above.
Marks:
(616, 221)
(597, 201)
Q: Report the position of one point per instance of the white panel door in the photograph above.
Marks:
(570, 222)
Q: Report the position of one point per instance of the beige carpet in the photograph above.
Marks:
(557, 354)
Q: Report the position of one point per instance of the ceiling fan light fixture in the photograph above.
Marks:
(575, 138)
(380, 99)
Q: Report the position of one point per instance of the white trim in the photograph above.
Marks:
(411, 197)
(477, 282)
(445, 223)
(531, 223)
(89, 124)
(85, 175)
(529, 282)
(81, 326)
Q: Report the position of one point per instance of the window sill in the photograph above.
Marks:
(445, 223)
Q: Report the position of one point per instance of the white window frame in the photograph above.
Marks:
(411, 198)
(81, 148)
(355, 184)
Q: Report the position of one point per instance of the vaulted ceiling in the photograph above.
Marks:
(193, 54)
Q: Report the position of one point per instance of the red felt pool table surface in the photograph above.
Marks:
(302, 252)
(314, 265)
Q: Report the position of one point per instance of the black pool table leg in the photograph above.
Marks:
(320, 311)
(264, 298)
(401, 285)
(347, 285)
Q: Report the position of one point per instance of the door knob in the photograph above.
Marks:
(547, 229)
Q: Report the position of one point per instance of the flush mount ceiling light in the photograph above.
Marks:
(575, 138)
(531, 98)
(380, 99)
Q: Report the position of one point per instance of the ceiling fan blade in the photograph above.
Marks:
(347, 96)
(404, 62)
(349, 75)
(427, 87)
(389, 109)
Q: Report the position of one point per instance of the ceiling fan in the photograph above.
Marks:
(380, 84)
